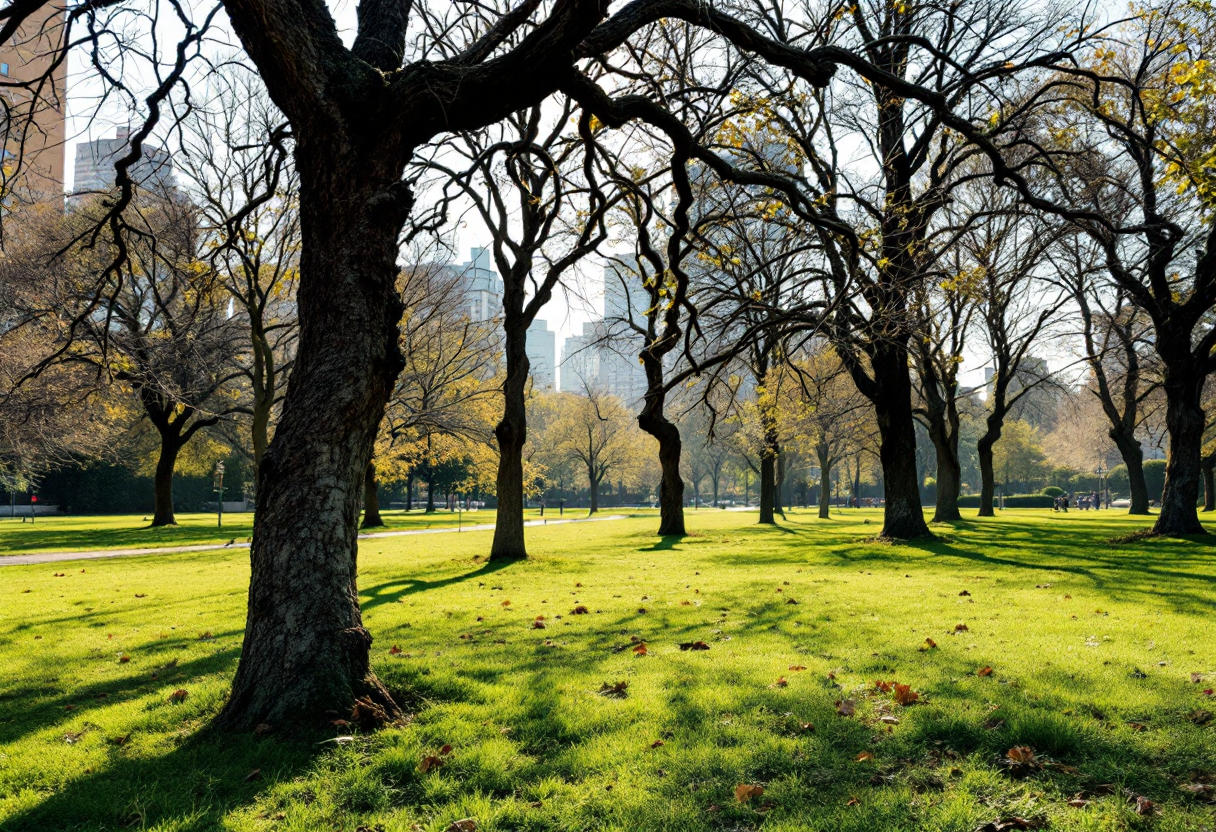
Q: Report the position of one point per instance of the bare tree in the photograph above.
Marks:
(532, 182)
(944, 314)
(449, 377)
(1116, 337)
(236, 167)
(1007, 249)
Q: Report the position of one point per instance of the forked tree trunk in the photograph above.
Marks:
(904, 518)
(1184, 418)
(671, 485)
(371, 499)
(306, 651)
(170, 445)
(512, 432)
(1133, 460)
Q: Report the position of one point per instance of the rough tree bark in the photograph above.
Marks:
(987, 475)
(593, 489)
(1185, 421)
(512, 433)
(170, 445)
(371, 499)
(313, 654)
(779, 494)
(671, 486)
(1208, 464)
(823, 452)
(904, 518)
(949, 480)
(1133, 459)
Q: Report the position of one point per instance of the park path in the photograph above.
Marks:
(55, 557)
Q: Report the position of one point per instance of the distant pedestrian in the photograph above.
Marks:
(1064, 503)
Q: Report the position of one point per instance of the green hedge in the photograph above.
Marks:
(1012, 501)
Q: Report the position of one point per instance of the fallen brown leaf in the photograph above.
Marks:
(745, 792)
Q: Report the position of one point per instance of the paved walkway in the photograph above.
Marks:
(55, 557)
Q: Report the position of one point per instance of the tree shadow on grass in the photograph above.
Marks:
(665, 543)
(394, 590)
(190, 789)
(34, 711)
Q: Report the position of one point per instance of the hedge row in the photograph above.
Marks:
(1012, 501)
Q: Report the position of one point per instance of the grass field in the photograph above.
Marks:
(1091, 646)
(131, 531)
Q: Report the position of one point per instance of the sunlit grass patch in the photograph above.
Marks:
(1091, 649)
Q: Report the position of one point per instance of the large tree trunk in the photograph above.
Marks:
(263, 396)
(166, 463)
(1184, 418)
(949, 471)
(779, 495)
(768, 484)
(1209, 482)
(987, 476)
(768, 470)
(371, 499)
(671, 486)
(825, 474)
(904, 518)
(593, 489)
(512, 433)
(306, 652)
(430, 492)
(1133, 460)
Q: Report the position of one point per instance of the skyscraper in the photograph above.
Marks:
(540, 346)
(581, 359)
(480, 285)
(95, 165)
(625, 303)
(36, 127)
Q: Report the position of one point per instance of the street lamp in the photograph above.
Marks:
(219, 490)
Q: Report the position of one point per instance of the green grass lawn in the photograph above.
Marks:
(1091, 645)
(131, 531)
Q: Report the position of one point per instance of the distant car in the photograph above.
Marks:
(1122, 502)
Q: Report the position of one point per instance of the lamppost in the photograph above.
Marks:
(219, 490)
(1103, 484)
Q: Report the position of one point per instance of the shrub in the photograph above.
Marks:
(1012, 501)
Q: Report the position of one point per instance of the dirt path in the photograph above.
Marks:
(55, 557)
